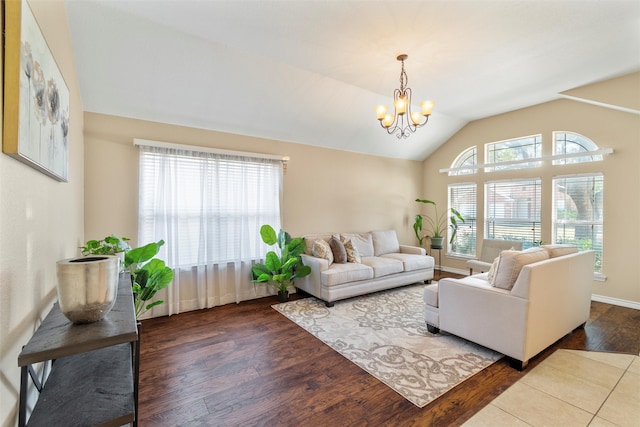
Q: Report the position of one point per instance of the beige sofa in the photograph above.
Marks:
(384, 264)
(550, 297)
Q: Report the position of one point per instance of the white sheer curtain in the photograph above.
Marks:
(208, 208)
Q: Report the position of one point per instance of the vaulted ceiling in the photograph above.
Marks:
(311, 71)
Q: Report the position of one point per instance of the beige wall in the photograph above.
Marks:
(324, 190)
(41, 221)
(608, 128)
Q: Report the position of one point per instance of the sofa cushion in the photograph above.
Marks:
(385, 242)
(321, 249)
(348, 272)
(383, 266)
(352, 252)
(511, 262)
(338, 250)
(412, 262)
(560, 250)
(362, 241)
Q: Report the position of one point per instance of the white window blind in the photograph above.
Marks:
(208, 207)
(512, 210)
(462, 197)
(578, 212)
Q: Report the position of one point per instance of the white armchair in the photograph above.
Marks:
(489, 251)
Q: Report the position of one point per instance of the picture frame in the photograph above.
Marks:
(36, 97)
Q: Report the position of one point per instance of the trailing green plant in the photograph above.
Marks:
(110, 245)
(438, 223)
(148, 275)
(283, 264)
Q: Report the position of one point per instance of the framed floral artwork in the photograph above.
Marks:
(36, 97)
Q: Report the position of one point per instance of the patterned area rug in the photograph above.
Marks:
(385, 334)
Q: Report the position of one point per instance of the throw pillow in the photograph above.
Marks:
(352, 252)
(492, 270)
(511, 262)
(321, 249)
(338, 250)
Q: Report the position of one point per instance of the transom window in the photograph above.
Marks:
(572, 143)
(513, 153)
(465, 163)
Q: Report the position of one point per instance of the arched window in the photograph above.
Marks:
(465, 162)
(568, 143)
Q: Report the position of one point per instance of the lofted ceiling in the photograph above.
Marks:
(311, 71)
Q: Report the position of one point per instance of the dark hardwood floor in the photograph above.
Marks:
(246, 364)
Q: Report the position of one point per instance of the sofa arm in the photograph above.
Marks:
(312, 283)
(405, 249)
(316, 264)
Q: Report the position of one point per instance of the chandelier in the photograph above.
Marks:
(403, 122)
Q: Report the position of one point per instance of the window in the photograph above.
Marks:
(573, 143)
(513, 153)
(208, 207)
(577, 212)
(465, 162)
(512, 210)
(462, 197)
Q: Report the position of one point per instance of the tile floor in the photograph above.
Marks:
(570, 388)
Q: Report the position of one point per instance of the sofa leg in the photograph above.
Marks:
(471, 272)
(433, 329)
(518, 364)
(428, 282)
(582, 326)
(329, 304)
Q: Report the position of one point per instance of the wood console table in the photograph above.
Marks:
(94, 368)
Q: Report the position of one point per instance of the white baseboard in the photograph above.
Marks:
(454, 270)
(616, 301)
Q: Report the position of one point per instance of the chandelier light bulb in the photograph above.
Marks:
(403, 122)
(381, 111)
(427, 107)
(401, 105)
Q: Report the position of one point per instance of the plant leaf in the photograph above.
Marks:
(268, 234)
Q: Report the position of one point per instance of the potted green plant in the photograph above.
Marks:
(148, 275)
(282, 265)
(437, 224)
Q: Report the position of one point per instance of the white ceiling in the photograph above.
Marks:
(311, 71)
